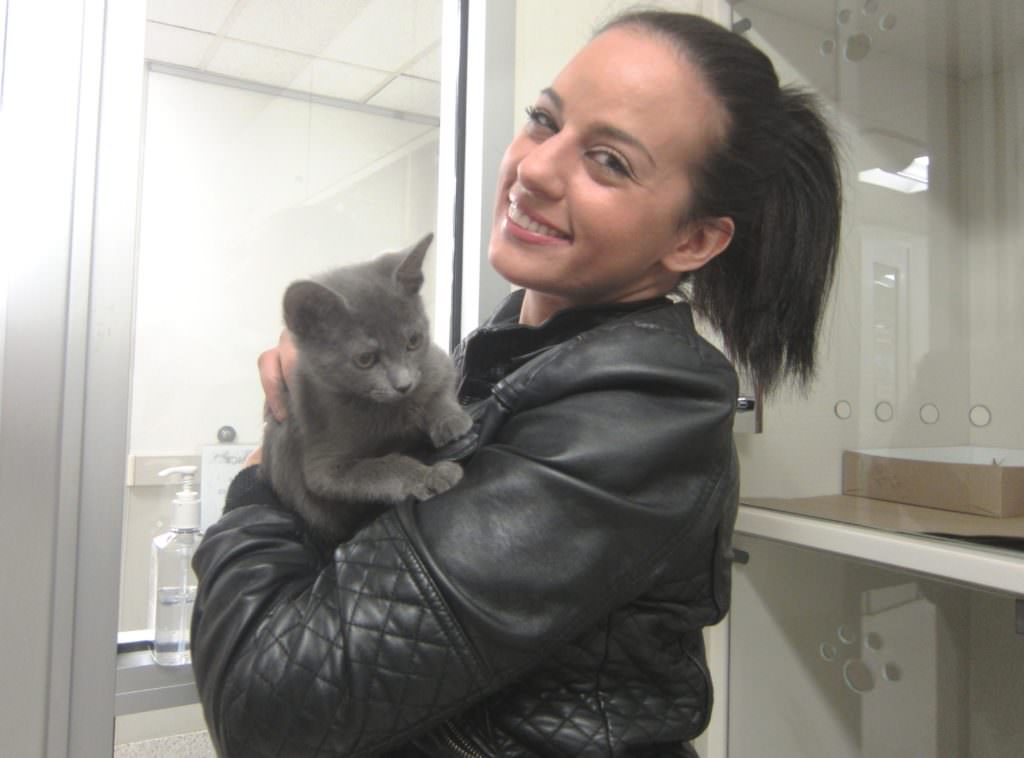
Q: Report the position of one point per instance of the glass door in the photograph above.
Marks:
(914, 425)
(277, 141)
(914, 421)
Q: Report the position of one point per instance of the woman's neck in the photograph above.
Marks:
(538, 307)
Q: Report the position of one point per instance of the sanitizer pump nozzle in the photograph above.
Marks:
(186, 500)
(173, 583)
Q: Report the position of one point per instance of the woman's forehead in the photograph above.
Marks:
(638, 82)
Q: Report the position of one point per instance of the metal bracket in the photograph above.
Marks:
(742, 557)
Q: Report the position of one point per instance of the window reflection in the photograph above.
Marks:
(927, 98)
(281, 139)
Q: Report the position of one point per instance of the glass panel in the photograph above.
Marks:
(915, 421)
(281, 140)
(832, 657)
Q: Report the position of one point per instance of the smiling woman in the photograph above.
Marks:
(604, 161)
(552, 602)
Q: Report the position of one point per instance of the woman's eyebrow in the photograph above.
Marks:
(602, 129)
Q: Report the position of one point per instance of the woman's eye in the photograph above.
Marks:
(365, 360)
(540, 118)
(612, 162)
(415, 340)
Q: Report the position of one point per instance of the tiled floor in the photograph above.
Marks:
(193, 745)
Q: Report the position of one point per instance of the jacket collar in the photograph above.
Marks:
(501, 344)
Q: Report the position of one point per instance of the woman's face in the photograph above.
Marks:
(592, 191)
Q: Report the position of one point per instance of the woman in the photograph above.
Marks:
(552, 602)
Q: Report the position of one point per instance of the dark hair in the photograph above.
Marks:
(776, 173)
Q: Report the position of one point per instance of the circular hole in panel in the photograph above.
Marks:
(929, 413)
(858, 676)
(887, 22)
(843, 17)
(827, 651)
(828, 47)
(857, 48)
(869, 7)
(873, 640)
(846, 634)
(892, 672)
(884, 411)
(980, 415)
(843, 409)
(743, 26)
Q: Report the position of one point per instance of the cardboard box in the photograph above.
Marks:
(982, 481)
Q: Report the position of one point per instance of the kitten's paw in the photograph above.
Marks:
(450, 427)
(439, 478)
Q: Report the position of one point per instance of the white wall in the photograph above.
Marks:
(242, 193)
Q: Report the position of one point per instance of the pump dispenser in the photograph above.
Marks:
(173, 583)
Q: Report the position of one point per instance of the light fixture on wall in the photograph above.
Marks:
(913, 178)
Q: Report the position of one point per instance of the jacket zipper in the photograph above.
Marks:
(458, 743)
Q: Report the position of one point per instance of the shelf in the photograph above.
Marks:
(144, 686)
(892, 535)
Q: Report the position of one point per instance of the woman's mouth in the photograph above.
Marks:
(518, 217)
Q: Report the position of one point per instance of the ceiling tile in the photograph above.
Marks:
(341, 80)
(278, 68)
(427, 67)
(407, 93)
(305, 26)
(388, 33)
(204, 15)
(173, 44)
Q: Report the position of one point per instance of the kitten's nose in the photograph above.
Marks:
(401, 380)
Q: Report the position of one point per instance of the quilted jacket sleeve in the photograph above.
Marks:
(597, 465)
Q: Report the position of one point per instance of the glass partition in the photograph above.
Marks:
(835, 657)
(914, 421)
(280, 140)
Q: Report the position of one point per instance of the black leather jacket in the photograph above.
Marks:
(551, 604)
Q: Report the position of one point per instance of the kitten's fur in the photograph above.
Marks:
(368, 384)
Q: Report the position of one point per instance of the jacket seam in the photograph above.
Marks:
(450, 625)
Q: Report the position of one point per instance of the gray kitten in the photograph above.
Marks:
(368, 386)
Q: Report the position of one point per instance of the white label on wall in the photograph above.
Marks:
(218, 467)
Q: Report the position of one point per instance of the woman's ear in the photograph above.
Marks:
(699, 242)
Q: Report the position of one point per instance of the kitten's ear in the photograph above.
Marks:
(409, 273)
(310, 309)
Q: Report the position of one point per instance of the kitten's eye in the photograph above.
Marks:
(415, 340)
(365, 360)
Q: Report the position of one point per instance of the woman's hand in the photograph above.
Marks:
(276, 366)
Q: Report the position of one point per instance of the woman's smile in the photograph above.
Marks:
(531, 228)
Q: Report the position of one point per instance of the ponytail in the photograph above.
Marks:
(775, 172)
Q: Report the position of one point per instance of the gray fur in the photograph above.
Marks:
(339, 457)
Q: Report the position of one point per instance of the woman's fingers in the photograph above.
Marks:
(276, 367)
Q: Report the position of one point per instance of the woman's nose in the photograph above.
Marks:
(543, 170)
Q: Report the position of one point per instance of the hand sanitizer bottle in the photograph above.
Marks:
(173, 583)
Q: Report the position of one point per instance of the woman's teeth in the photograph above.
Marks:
(521, 219)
